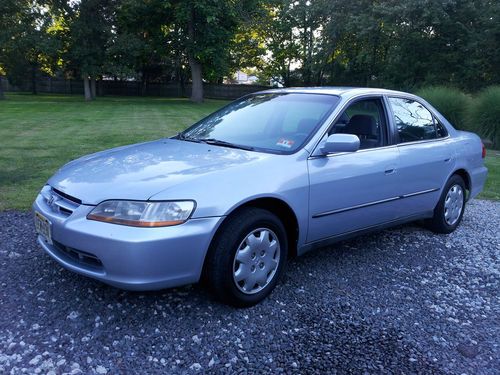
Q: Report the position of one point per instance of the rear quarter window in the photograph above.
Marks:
(414, 122)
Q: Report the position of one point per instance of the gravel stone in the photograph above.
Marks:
(403, 300)
(101, 370)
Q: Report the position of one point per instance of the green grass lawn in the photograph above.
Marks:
(492, 187)
(38, 134)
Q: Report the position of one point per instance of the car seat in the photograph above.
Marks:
(365, 127)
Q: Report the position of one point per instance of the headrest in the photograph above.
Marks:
(361, 125)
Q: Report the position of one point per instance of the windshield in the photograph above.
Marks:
(279, 122)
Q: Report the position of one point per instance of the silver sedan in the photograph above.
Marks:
(272, 175)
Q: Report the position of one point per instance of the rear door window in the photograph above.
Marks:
(413, 121)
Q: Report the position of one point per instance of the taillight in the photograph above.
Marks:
(483, 154)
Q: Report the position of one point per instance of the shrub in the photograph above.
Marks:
(484, 114)
(451, 102)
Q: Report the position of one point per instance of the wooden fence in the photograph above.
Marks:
(131, 88)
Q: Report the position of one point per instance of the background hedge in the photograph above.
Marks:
(484, 115)
(478, 113)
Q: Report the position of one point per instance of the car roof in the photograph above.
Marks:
(339, 91)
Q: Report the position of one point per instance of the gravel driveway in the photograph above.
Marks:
(403, 300)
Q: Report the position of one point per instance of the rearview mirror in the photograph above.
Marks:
(340, 143)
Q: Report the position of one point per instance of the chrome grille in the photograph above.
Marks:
(67, 196)
(60, 202)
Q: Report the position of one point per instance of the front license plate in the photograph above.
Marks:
(42, 225)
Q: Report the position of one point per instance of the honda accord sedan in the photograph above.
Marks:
(269, 176)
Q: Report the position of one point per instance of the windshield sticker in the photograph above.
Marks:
(288, 143)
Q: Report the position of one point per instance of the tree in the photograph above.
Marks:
(309, 17)
(248, 47)
(208, 27)
(138, 47)
(8, 10)
(293, 32)
(281, 41)
(90, 31)
(2, 96)
(355, 41)
(27, 45)
(386, 43)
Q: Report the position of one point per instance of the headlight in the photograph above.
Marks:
(143, 214)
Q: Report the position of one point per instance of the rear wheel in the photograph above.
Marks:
(450, 209)
(247, 257)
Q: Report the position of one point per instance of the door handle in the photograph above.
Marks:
(390, 169)
(447, 159)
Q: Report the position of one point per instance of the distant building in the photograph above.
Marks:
(275, 83)
(245, 79)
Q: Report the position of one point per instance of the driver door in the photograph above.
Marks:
(355, 190)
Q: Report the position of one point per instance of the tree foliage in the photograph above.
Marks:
(207, 29)
(26, 43)
(388, 43)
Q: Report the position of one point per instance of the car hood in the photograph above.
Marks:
(142, 170)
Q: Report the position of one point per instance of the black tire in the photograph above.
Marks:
(438, 223)
(219, 265)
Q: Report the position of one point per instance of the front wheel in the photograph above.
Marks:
(450, 208)
(247, 257)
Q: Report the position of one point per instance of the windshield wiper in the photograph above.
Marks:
(213, 141)
(218, 142)
(182, 137)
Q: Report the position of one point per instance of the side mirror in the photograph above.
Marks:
(340, 143)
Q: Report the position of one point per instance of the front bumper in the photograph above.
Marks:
(128, 257)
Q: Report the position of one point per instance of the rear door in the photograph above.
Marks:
(426, 157)
(356, 190)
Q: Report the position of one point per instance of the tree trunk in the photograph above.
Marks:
(309, 57)
(182, 82)
(33, 80)
(194, 64)
(305, 60)
(144, 82)
(86, 88)
(1, 89)
(286, 76)
(197, 82)
(92, 88)
(100, 87)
